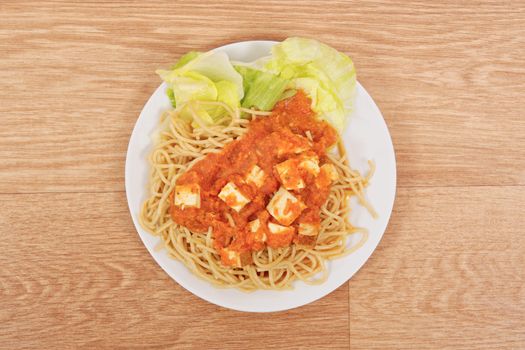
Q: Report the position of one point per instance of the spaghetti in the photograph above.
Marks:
(180, 145)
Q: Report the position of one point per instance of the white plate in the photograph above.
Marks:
(366, 138)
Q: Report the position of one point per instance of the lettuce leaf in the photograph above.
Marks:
(171, 96)
(190, 109)
(210, 113)
(325, 74)
(324, 102)
(262, 89)
(192, 86)
(203, 77)
(185, 59)
(216, 66)
(226, 93)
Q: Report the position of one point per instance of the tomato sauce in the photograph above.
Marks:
(269, 141)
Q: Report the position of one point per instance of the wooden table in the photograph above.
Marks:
(449, 272)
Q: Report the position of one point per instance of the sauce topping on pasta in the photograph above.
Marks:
(264, 189)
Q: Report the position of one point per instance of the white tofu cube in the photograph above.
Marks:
(310, 163)
(330, 170)
(256, 228)
(307, 235)
(230, 257)
(292, 144)
(231, 195)
(289, 175)
(285, 207)
(256, 176)
(187, 196)
(278, 229)
(279, 236)
(307, 229)
(291, 172)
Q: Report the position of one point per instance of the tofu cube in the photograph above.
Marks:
(254, 225)
(285, 207)
(290, 175)
(256, 176)
(292, 144)
(188, 196)
(307, 234)
(233, 197)
(310, 163)
(330, 171)
(279, 236)
(327, 175)
(291, 172)
(230, 257)
(257, 230)
(307, 229)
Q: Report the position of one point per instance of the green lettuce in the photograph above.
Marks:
(325, 74)
(221, 91)
(171, 96)
(203, 77)
(181, 62)
(185, 59)
(261, 89)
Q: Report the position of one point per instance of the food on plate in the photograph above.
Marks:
(249, 181)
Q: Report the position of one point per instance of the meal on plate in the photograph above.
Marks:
(250, 184)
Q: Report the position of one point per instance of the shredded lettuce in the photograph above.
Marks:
(262, 89)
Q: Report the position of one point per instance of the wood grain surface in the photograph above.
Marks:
(449, 77)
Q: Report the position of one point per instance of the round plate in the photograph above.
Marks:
(366, 138)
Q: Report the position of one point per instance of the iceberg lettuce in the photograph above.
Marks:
(325, 74)
(261, 89)
(204, 77)
(185, 59)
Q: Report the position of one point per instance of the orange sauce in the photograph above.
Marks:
(268, 142)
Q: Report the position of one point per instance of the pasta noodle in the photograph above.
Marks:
(180, 145)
